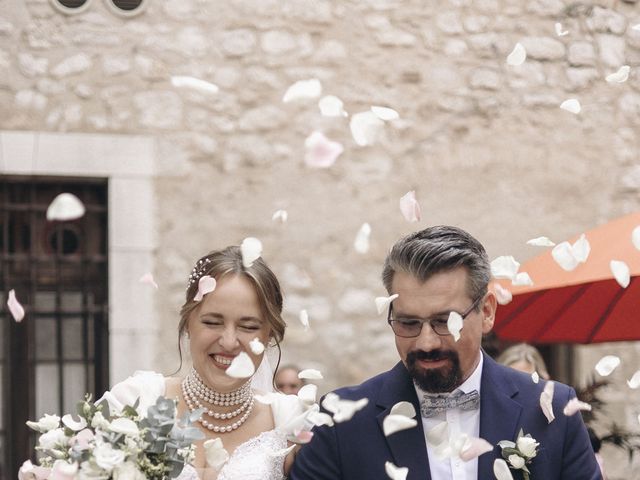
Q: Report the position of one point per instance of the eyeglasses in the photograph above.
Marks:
(411, 327)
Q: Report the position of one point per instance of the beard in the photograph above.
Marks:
(435, 380)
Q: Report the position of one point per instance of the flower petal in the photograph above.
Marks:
(320, 151)
(517, 56)
(636, 27)
(503, 295)
(410, 207)
(403, 408)
(581, 249)
(366, 128)
(620, 272)
(501, 470)
(546, 399)
(183, 81)
(438, 434)
(241, 366)
(394, 472)
(256, 346)
(540, 242)
(16, 309)
(634, 382)
(385, 113)
(607, 364)
(304, 319)
(63, 470)
(574, 406)
(280, 215)
(505, 267)
(310, 374)
(635, 237)
(331, 106)
(474, 448)
(535, 377)
(65, 206)
(382, 303)
(571, 105)
(559, 31)
(206, 284)
(563, 256)
(342, 410)
(71, 424)
(251, 249)
(454, 324)
(148, 279)
(395, 423)
(361, 243)
(522, 278)
(215, 453)
(620, 76)
(320, 418)
(303, 90)
(308, 393)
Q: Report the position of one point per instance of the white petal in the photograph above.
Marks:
(194, 83)
(320, 152)
(540, 242)
(635, 380)
(636, 27)
(65, 206)
(366, 128)
(17, 311)
(395, 473)
(454, 324)
(251, 249)
(256, 346)
(563, 256)
(403, 408)
(310, 374)
(395, 423)
(302, 90)
(265, 399)
(522, 278)
(438, 434)
(308, 393)
(320, 418)
(206, 284)
(304, 319)
(410, 207)
(620, 272)
(620, 76)
(361, 243)
(474, 448)
(535, 377)
(574, 406)
(71, 424)
(241, 366)
(517, 56)
(148, 279)
(280, 215)
(607, 364)
(559, 31)
(331, 106)
(503, 295)
(342, 410)
(546, 399)
(382, 303)
(505, 267)
(571, 105)
(635, 237)
(215, 453)
(385, 113)
(501, 470)
(581, 249)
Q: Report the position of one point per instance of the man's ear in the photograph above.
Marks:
(489, 312)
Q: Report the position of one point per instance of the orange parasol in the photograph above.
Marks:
(586, 305)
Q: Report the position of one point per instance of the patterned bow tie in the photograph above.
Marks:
(434, 403)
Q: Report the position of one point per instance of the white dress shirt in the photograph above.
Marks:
(459, 421)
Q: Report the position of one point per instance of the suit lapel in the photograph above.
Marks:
(408, 447)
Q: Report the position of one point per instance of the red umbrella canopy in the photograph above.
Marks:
(585, 305)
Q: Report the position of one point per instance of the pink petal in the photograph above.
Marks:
(320, 151)
(206, 284)
(503, 295)
(410, 207)
(574, 405)
(546, 399)
(303, 437)
(148, 279)
(17, 311)
(474, 448)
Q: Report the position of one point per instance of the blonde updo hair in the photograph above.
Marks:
(527, 353)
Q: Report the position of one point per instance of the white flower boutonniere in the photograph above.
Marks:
(519, 454)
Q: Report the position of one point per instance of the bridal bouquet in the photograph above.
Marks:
(129, 445)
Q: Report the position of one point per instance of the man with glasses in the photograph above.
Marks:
(441, 276)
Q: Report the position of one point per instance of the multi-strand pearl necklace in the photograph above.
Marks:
(195, 392)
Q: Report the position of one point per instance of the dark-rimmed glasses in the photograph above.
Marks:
(411, 327)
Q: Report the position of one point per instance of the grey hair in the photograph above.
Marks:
(439, 249)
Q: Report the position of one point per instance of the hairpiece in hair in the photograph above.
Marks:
(198, 270)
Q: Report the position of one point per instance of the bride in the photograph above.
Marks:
(244, 305)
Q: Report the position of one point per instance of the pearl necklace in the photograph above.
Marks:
(194, 390)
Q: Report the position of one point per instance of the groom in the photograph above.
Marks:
(434, 272)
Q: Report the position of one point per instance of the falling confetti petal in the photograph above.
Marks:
(148, 279)
(517, 56)
(503, 295)
(474, 448)
(310, 374)
(320, 151)
(621, 76)
(581, 249)
(404, 408)
(194, 83)
(65, 206)
(71, 424)
(454, 324)
(280, 215)
(505, 267)
(540, 242)
(366, 128)
(361, 243)
(571, 105)
(559, 31)
(574, 406)
(635, 237)
(607, 364)
(635, 380)
(620, 272)
(320, 418)
(383, 302)
(308, 393)
(384, 113)
(331, 106)
(410, 207)
(302, 90)
(395, 423)
(241, 366)
(535, 377)
(569, 256)
(251, 249)
(522, 278)
(17, 311)
(256, 346)
(304, 319)
(501, 470)
(394, 472)
(343, 410)
(206, 284)
(215, 453)
(546, 401)
(636, 27)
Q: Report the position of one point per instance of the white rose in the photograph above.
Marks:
(516, 461)
(71, 424)
(527, 446)
(107, 457)
(215, 453)
(46, 423)
(99, 422)
(128, 471)
(63, 470)
(125, 426)
(52, 439)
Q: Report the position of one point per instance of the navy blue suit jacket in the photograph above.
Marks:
(509, 400)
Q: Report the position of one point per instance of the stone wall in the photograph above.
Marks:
(484, 144)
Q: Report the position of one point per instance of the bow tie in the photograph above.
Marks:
(434, 403)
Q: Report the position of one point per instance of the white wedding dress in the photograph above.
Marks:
(259, 458)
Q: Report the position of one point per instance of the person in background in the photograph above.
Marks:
(287, 380)
(526, 358)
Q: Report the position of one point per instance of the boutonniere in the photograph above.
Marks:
(519, 454)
